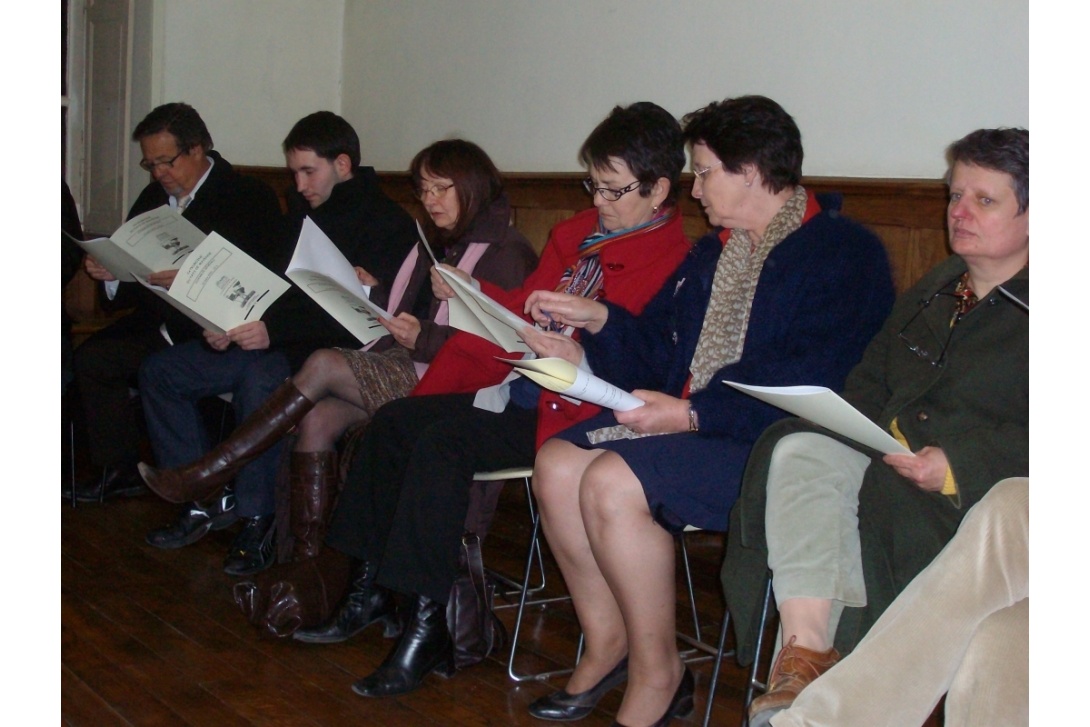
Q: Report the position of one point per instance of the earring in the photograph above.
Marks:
(655, 210)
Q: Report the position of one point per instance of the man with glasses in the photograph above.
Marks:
(843, 528)
(190, 176)
(253, 360)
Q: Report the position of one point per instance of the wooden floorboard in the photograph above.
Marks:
(153, 637)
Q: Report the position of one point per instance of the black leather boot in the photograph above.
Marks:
(364, 604)
(423, 648)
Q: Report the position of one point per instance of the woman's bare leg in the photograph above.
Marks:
(557, 475)
(636, 558)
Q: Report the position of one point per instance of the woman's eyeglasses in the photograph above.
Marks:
(435, 190)
(935, 353)
(699, 173)
(611, 195)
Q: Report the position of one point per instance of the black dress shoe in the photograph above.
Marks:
(423, 648)
(124, 481)
(564, 707)
(252, 551)
(364, 604)
(681, 706)
(195, 522)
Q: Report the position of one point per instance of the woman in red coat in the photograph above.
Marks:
(404, 504)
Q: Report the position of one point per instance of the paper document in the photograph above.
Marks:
(221, 287)
(322, 271)
(157, 240)
(564, 377)
(823, 406)
(474, 312)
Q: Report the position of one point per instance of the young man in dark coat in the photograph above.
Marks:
(252, 360)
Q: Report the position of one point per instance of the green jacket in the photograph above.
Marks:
(975, 407)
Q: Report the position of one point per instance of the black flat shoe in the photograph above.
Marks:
(681, 706)
(564, 707)
(252, 551)
(114, 482)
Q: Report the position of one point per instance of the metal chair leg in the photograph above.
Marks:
(523, 602)
(719, 654)
(754, 682)
(72, 457)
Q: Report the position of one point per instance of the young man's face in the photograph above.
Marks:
(316, 177)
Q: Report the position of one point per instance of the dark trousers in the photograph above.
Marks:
(172, 382)
(105, 368)
(406, 497)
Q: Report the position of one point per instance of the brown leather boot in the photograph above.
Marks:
(261, 430)
(313, 482)
(795, 667)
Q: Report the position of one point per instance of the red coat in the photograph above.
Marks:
(633, 271)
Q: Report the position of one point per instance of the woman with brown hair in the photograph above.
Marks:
(469, 215)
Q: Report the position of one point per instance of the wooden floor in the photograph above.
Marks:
(153, 637)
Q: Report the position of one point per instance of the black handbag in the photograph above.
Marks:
(474, 627)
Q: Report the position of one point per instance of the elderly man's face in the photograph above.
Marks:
(983, 215)
(179, 177)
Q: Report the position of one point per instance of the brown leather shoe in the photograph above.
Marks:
(206, 476)
(795, 667)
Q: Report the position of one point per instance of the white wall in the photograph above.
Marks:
(252, 68)
(877, 87)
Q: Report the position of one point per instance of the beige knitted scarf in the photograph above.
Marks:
(723, 333)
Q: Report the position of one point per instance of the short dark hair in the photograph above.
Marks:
(647, 138)
(181, 121)
(327, 135)
(477, 182)
(750, 130)
(1004, 150)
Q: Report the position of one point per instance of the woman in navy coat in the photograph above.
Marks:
(785, 291)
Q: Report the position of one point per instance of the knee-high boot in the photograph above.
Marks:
(262, 429)
(425, 646)
(313, 482)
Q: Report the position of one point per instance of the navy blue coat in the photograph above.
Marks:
(822, 295)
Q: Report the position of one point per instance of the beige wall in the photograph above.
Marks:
(878, 88)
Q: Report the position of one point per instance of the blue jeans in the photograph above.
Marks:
(173, 380)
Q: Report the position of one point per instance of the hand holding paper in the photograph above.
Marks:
(547, 344)
(551, 309)
(660, 414)
(96, 270)
(322, 271)
(927, 468)
(567, 379)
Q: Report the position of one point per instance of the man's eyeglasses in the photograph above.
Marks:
(611, 195)
(933, 353)
(699, 173)
(168, 164)
(435, 190)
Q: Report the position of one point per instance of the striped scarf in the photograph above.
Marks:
(584, 277)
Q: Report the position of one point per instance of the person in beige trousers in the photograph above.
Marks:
(960, 628)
